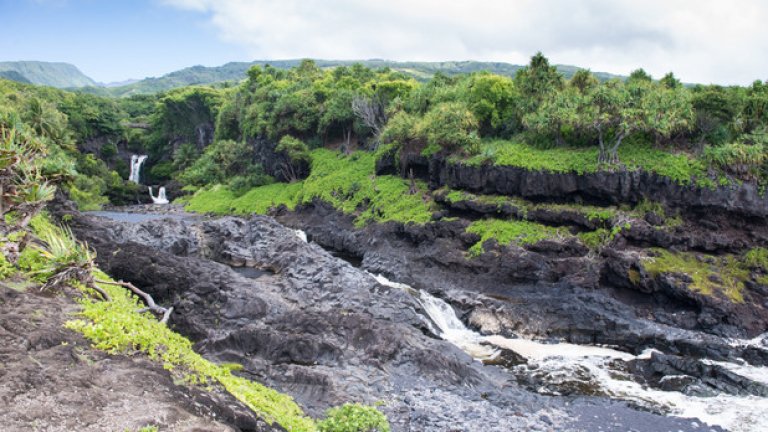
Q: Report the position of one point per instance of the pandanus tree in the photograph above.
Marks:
(614, 110)
(23, 188)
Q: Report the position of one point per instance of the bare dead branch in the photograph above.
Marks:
(151, 305)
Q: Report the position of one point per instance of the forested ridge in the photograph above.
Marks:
(708, 134)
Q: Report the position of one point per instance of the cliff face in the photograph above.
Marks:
(603, 188)
(620, 186)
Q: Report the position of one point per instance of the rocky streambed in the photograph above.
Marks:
(444, 345)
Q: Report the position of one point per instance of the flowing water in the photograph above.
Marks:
(136, 163)
(160, 198)
(600, 369)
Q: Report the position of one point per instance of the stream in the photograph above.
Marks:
(569, 369)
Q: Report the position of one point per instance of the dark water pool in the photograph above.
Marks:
(137, 217)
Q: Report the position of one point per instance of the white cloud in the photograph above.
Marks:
(700, 40)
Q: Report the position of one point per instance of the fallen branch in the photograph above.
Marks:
(151, 305)
(101, 292)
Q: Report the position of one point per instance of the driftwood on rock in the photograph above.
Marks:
(151, 305)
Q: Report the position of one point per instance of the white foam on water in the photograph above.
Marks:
(161, 198)
(538, 351)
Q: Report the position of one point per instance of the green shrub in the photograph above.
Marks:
(757, 258)
(507, 232)
(162, 171)
(450, 126)
(745, 161)
(353, 417)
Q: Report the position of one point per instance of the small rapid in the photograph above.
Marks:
(599, 370)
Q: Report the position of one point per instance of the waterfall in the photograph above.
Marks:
(160, 198)
(136, 162)
(449, 326)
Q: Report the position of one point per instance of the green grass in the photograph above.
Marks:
(353, 418)
(596, 239)
(507, 232)
(116, 328)
(635, 156)
(220, 200)
(728, 269)
(346, 182)
(757, 258)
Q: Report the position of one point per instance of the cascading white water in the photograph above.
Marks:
(301, 235)
(561, 362)
(136, 162)
(160, 198)
(449, 326)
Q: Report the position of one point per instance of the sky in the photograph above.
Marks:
(702, 41)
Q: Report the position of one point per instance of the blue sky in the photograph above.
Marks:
(111, 40)
(704, 41)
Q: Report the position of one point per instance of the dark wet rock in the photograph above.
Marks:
(507, 358)
(603, 300)
(694, 377)
(326, 332)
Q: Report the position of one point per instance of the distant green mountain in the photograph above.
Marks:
(236, 71)
(61, 75)
(14, 76)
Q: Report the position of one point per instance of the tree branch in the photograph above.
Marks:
(151, 305)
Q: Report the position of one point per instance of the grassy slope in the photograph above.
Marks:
(346, 182)
(681, 168)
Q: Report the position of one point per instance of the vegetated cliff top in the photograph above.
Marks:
(236, 71)
(61, 75)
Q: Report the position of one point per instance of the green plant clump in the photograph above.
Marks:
(757, 258)
(510, 232)
(709, 274)
(353, 418)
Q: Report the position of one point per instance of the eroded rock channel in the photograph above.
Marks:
(327, 332)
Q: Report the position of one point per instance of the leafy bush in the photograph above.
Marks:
(353, 417)
(450, 126)
(221, 161)
(744, 161)
(295, 158)
(162, 171)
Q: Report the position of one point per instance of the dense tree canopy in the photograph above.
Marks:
(203, 135)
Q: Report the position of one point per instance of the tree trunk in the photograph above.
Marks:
(614, 156)
(602, 156)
